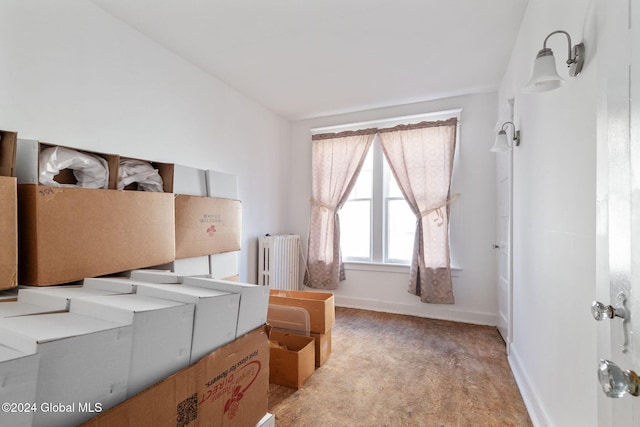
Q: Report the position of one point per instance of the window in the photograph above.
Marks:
(376, 223)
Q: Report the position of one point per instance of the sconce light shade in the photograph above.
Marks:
(544, 76)
(502, 143)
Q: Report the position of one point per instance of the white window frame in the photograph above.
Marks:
(378, 227)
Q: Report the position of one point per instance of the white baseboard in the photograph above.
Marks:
(532, 402)
(441, 312)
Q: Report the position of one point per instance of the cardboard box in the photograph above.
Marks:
(206, 226)
(254, 300)
(215, 317)
(8, 143)
(84, 363)
(28, 164)
(320, 306)
(293, 364)
(322, 347)
(18, 377)
(9, 233)
(228, 388)
(58, 298)
(67, 234)
(162, 332)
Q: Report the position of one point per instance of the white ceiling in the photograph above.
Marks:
(310, 58)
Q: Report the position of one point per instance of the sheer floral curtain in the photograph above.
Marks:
(421, 159)
(336, 161)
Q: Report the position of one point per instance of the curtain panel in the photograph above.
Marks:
(336, 162)
(421, 159)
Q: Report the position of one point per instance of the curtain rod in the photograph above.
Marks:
(381, 122)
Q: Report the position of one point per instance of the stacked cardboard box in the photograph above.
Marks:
(183, 228)
(321, 311)
(165, 351)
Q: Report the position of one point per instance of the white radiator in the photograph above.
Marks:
(278, 261)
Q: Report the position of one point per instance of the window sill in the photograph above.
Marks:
(389, 268)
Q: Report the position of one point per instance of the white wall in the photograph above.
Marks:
(475, 286)
(553, 352)
(70, 74)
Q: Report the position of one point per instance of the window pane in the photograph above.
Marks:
(392, 189)
(401, 227)
(363, 189)
(355, 230)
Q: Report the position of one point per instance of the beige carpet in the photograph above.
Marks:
(393, 370)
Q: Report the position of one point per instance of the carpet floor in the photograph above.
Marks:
(394, 370)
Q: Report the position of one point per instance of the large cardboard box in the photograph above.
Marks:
(59, 297)
(67, 234)
(9, 233)
(18, 377)
(227, 388)
(84, 363)
(292, 359)
(215, 318)
(320, 306)
(254, 300)
(206, 226)
(162, 332)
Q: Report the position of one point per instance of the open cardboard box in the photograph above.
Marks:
(28, 163)
(227, 388)
(320, 306)
(292, 359)
(165, 170)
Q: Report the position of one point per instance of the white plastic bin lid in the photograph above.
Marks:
(289, 319)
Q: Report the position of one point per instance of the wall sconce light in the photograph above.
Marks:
(502, 141)
(544, 76)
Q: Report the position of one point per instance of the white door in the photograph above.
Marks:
(504, 162)
(503, 245)
(618, 213)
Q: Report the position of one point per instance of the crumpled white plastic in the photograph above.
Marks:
(90, 171)
(143, 173)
